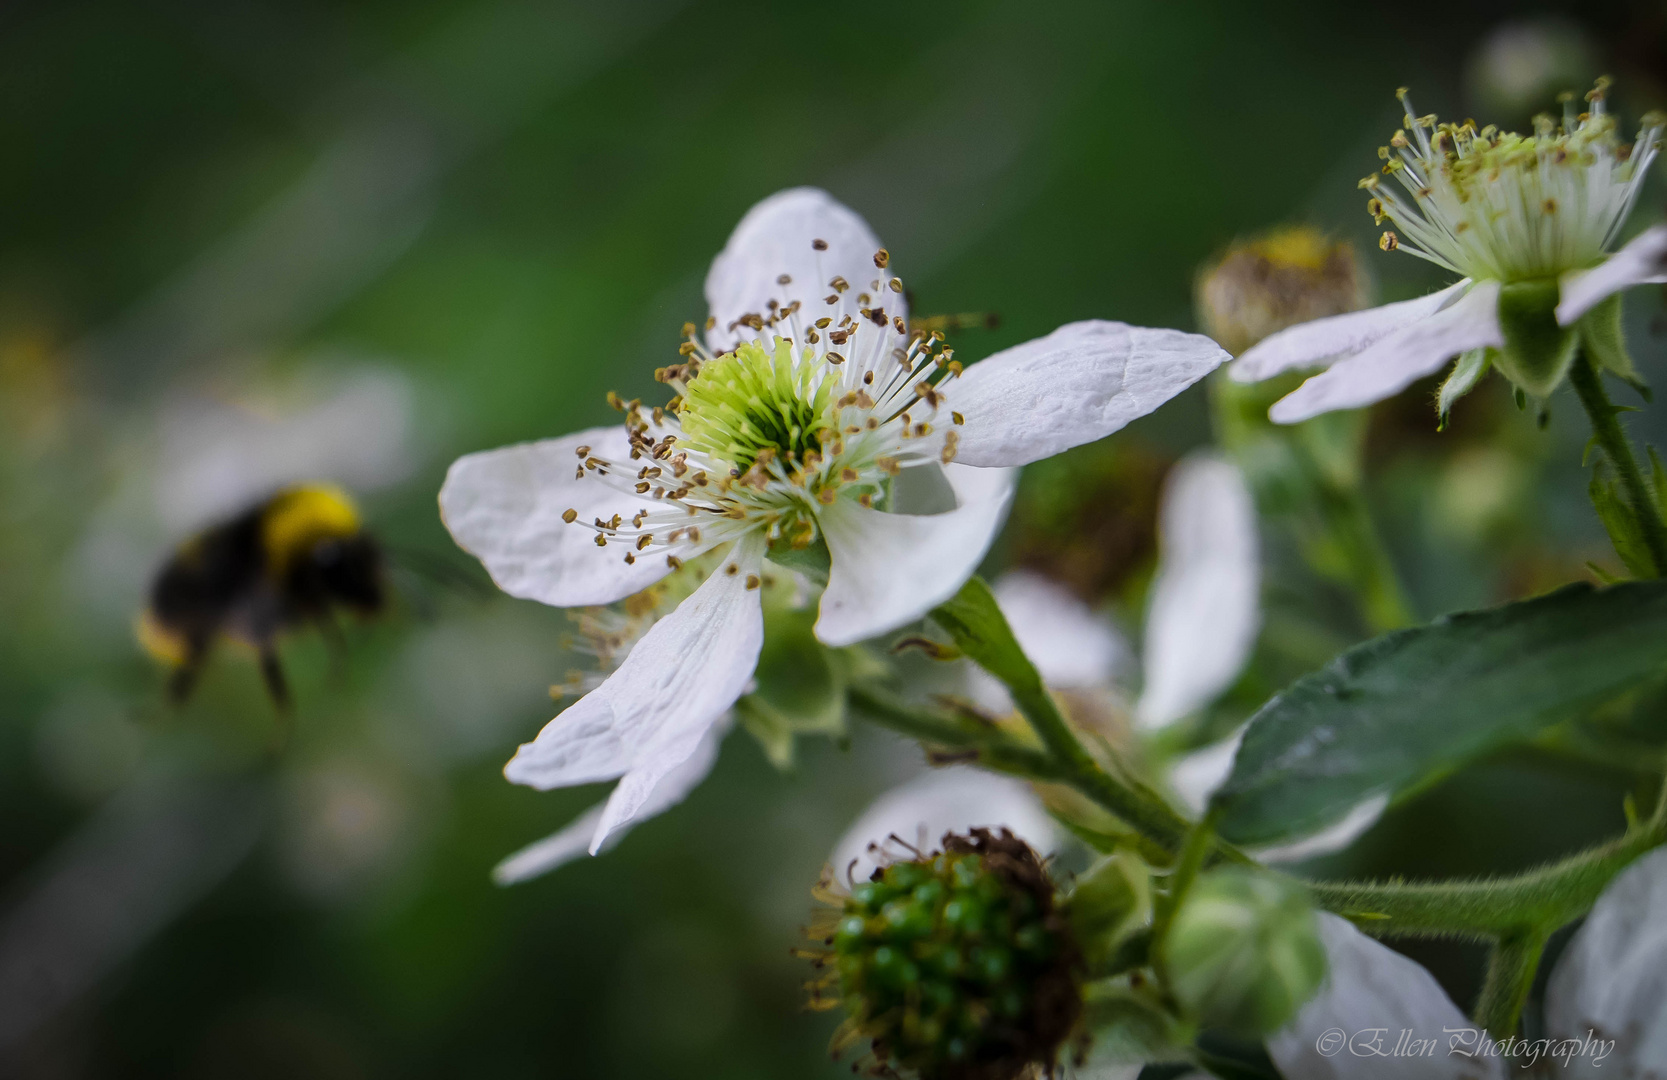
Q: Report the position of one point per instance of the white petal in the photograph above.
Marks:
(1072, 647)
(675, 683)
(1611, 981)
(1206, 599)
(1399, 359)
(1371, 995)
(556, 850)
(1318, 343)
(775, 239)
(955, 799)
(1332, 838)
(505, 507)
(1195, 776)
(1642, 262)
(1080, 383)
(890, 569)
(680, 680)
(569, 843)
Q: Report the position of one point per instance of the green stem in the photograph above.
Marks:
(1382, 600)
(1133, 803)
(1495, 909)
(1510, 976)
(1606, 429)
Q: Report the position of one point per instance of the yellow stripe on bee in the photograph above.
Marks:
(297, 519)
(164, 645)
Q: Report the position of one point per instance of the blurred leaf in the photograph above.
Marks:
(1403, 709)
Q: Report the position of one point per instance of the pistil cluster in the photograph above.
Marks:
(812, 410)
(1494, 205)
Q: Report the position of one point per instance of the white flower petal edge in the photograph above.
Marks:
(1080, 383)
(1206, 601)
(649, 716)
(1399, 359)
(505, 507)
(569, 843)
(1371, 987)
(954, 799)
(1346, 831)
(890, 569)
(1642, 262)
(1072, 647)
(1318, 343)
(1612, 979)
(775, 239)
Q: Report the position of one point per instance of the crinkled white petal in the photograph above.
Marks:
(505, 507)
(566, 844)
(674, 685)
(1399, 359)
(1611, 981)
(1332, 838)
(1373, 993)
(690, 678)
(890, 569)
(1080, 383)
(1318, 343)
(1642, 262)
(1206, 599)
(775, 238)
(954, 799)
(1071, 646)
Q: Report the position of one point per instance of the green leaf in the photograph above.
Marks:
(801, 687)
(1658, 480)
(1625, 531)
(976, 623)
(1397, 712)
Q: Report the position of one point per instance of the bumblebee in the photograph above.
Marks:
(286, 564)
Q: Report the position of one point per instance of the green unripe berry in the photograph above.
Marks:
(957, 966)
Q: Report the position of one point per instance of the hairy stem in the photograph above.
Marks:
(1510, 975)
(1494, 909)
(1606, 430)
(996, 749)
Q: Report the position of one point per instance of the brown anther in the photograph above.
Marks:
(881, 258)
(642, 488)
(753, 582)
(570, 515)
(823, 322)
(644, 540)
(732, 570)
(868, 378)
(1389, 241)
(819, 245)
(895, 284)
(674, 562)
(866, 500)
(848, 474)
(583, 452)
(826, 496)
(601, 541)
(839, 284)
(838, 337)
(784, 279)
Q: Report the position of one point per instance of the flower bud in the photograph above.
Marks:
(1243, 951)
(955, 965)
(1263, 285)
(1111, 900)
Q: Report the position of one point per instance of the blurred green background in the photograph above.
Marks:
(357, 240)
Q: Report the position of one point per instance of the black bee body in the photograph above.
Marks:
(283, 565)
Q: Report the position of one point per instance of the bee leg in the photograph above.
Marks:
(273, 672)
(184, 678)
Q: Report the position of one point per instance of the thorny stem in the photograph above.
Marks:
(1606, 430)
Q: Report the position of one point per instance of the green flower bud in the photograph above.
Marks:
(1110, 901)
(1243, 951)
(957, 965)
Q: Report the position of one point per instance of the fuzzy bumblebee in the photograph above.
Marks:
(955, 966)
(286, 564)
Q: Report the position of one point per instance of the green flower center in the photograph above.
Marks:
(754, 405)
(957, 965)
